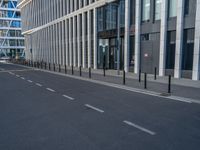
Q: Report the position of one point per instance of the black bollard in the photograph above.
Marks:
(155, 73)
(59, 68)
(169, 84)
(80, 71)
(124, 77)
(45, 65)
(72, 70)
(54, 67)
(65, 69)
(140, 75)
(104, 71)
(90, 76)
(145, 80)
(49, 66)
(41, 65)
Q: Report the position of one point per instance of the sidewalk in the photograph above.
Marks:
(186, 88)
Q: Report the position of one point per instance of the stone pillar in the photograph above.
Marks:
(83, 40)
(127, 36)
(78, 40)
(70, 42)
(74, 41)
(137, 36)
(95, 37)
(179, 38)
(196, 61)
(163, 37)
(67, 42)
(89, 38)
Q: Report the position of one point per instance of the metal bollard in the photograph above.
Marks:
(72, 70)
(41, 65)
(49, 66)
(65, 69)
(104, 71)
(45, 65)
(124, 77)
(169, 84)
(54, 67)
(145, 80)
(90, 76)
(59, 68)
(140, 75)
(80, 71)
(155, 74)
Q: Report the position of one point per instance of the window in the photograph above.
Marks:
(187, 6)
(158, 9)
(145, 10)
(171, 48)
(172, 8)
(188, 49)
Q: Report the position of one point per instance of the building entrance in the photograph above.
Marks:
(107, 54)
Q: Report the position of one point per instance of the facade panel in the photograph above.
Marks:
(134, 35)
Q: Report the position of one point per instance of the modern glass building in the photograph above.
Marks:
(11, 39)
(132, 35)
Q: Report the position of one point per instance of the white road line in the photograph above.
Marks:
(17, 76)
(22, 78)
(139, 127)
(51, 90)
(94, 108)
(30, 81)
(68, 97)
(11, 73)
(40, 85)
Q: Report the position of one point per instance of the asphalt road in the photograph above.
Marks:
(44, 111)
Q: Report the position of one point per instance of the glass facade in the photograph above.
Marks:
(158, 9)
(11, 39)
(172, 8)
(146, 10)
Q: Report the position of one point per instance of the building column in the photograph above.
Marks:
(196, 61)
(78, 40)
(127, 36)
(89, 38)
(95, 37)
(63, 42)
(179, 38)
(74, 41)
(67, 42)
(163, 37)
(70, 42)
(137, 36)
(83, 40)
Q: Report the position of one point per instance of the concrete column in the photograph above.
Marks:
(70, 42)
(95, 37)
(137, 36)
(163, 37)
(60, 42)
(89, 38)
(63, 42)
(127, 36)
(83, 41)
(179, 38)
(196, 61)
(78, 40)
(74, 41)
(67, 42)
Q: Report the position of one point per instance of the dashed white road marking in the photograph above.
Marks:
(40, 85)
(11, 73)
(51, 90)
(68, 97)
(139, 127)
(17, 75)
(30, 81)
(94, 108)
(22, 78)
